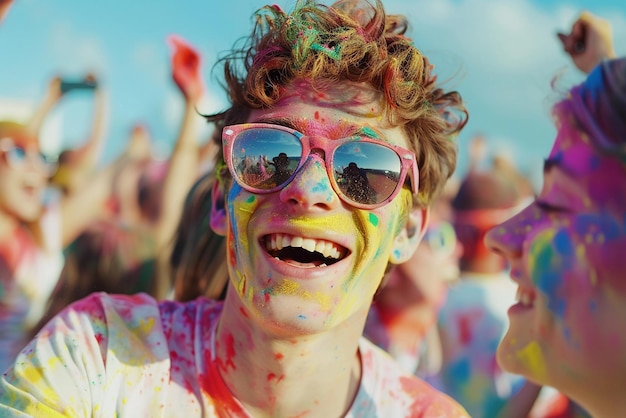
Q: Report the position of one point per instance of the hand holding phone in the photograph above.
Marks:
(87, 83)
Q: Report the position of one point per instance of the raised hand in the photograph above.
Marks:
(589, 42)
(186, 68)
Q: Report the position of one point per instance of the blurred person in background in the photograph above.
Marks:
(473, 318)
(75, 166)
(128, 252)
(33, 235)
(403, 316)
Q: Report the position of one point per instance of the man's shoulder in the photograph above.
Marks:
(199, 309)
(141, 307)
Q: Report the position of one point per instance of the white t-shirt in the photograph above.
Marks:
(23, 296)
(129, 356)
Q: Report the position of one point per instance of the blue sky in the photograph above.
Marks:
(501, 55)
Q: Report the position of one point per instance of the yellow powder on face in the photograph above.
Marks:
(244, 291)
(338, 223)
(532, 358)
(289, 287)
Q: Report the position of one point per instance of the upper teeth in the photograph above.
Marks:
(525, 297)
(326, 248)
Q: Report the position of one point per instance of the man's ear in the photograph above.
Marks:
(410, 236)
(218, 210)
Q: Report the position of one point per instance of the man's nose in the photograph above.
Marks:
(311, 189)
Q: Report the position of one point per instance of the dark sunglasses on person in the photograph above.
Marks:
(364, 172)
(17, 156)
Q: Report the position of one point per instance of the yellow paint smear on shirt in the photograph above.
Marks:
(34, 375)
(145, 326)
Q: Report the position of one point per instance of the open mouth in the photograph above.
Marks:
(304, 252)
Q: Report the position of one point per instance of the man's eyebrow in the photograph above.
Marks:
(282, 121)
(301, 126)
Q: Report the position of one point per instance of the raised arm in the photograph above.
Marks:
(184, 161)
(77, 165)
(89, 203)
(589, 42)
(89, 153)
(51, 98)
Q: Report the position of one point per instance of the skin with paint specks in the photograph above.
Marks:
(567, 254)
(271, 300)
(305, 299)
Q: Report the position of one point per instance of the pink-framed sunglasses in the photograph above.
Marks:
(364, 172)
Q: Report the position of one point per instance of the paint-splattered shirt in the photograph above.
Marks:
(130, 356)
(27, 281)
(472, 322)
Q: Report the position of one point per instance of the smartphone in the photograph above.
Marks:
(84, 84)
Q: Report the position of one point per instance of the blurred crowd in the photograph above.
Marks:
(71, 226)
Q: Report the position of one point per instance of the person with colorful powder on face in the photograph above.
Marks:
(566, 249)
(327, 85)
(33, 232)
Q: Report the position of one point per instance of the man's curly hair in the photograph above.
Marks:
(351, 40)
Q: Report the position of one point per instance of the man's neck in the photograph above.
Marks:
(273, 376)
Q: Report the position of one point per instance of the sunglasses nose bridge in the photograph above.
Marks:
(311, 186)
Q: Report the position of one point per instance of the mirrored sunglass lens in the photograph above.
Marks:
(265, 158)
(366, 172)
